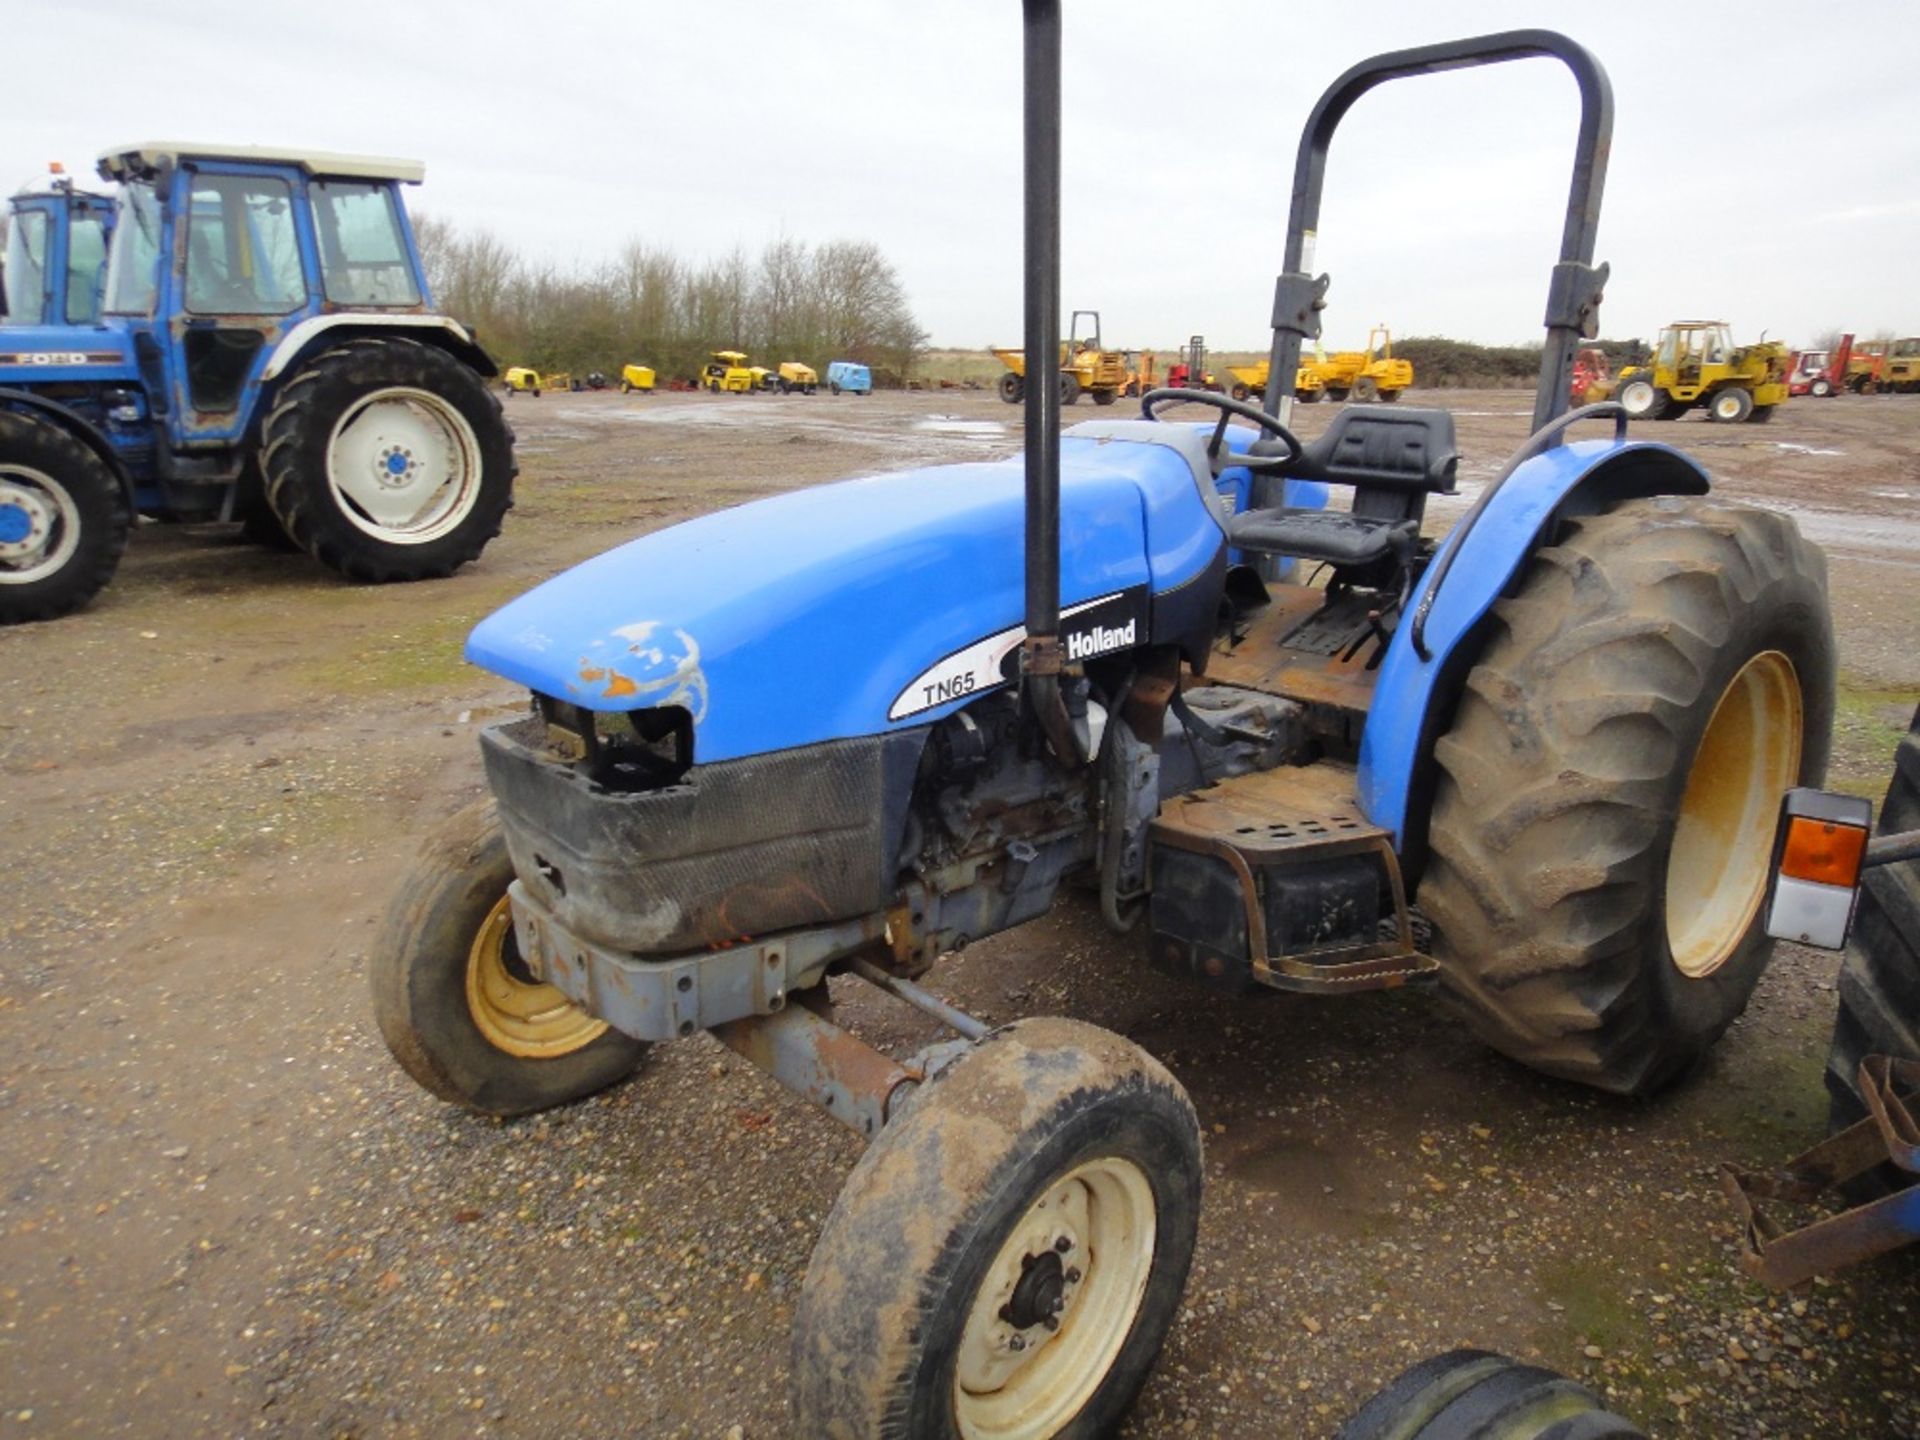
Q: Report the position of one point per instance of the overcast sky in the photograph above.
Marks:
(1765, 169)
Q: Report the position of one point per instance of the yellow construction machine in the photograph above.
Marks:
(1697, 363)
(1086, 367)
(1250, 382)
(793, 376)
(727, 370)
(1364, 375)
(636, 377)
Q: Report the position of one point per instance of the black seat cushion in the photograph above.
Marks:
(1376, 447)
(1331, 535)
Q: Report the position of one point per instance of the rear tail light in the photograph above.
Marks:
(1817, 857)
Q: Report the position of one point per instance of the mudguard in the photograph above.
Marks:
(859, 607)
(1413, 699)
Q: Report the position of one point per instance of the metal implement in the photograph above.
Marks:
(1890, 1133)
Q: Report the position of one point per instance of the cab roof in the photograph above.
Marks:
(144, 158)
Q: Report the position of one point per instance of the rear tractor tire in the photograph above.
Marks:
(1607, 792)
(387, 460)
(457, 1006)
(1366, 390)
(1008, 1255)
(1069, 389)
(1880, 977)
(64, 520)
(1477, 1395)
(1642, 399)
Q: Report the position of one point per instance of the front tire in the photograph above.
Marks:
(1607, 791)
(1642, 399)
(1478, 1393)
(1009, 1254)
(388, 460)
(1366, 390)
(1731, 405)
(1069, 388)
(1820, 389)
(64, 521)
(456, 1006)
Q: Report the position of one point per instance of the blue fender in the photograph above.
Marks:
(869, 605)
(1413, 699)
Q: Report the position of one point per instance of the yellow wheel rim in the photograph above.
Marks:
(516, 1013)
(1723, 843)
(1056, 1305)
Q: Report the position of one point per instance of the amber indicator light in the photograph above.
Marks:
(1824, 852)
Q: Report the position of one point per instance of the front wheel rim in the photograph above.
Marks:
(1056, 1304)
(39, 525)
(404, 466)
(1749, 757)
(514, 1012)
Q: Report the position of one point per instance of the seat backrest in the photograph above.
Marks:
(1373, 447)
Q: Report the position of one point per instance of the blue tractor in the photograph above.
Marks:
(56, 250)
(845, 731)
(266, 351)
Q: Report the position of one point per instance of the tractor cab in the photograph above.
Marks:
(267, 249)
(56, 250)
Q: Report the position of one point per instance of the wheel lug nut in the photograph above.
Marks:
(1018, 1342)
(1052, 1322)
(1063, 1244)
(1073, 1277)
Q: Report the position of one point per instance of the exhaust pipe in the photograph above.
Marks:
(1041, 655)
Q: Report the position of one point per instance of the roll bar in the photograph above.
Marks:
(1573, 298)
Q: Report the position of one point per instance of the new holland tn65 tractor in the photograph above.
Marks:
(847, 730)
(268, 352)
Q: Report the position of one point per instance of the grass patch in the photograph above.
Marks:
(1868, 724)
(1593, 1304)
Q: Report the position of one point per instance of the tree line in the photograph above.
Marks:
(841, 300)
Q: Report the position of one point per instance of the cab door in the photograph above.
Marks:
(242, 268)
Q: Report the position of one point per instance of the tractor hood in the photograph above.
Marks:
(858, 607)
(39, 354)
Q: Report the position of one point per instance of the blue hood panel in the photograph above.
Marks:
(813, 615)
(40, 354)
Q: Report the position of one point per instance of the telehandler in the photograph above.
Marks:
(847, 730)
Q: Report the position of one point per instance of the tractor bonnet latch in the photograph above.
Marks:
(1574, 296)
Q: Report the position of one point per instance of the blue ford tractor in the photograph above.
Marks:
(267, 351)
(846, 731)
(56, 251)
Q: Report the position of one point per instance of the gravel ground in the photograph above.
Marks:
(224, 1211)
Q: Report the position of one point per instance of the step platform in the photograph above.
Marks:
(1275, 878)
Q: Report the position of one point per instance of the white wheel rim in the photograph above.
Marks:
(1727, 406)
(404, 466)
(39, 525)
(1026, 1382)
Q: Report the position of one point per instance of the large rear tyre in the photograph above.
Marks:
(456, 1004)
(1607, 792)
(1366, 390)
(1477, 1395)
(1880, 977)
(388, 460)
(1013, 388)
(64, 521)
(1642, 399)
(1007, 1257)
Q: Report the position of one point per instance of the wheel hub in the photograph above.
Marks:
(405, 466)
(395, 467)
(24, 522)
(1043, 1289)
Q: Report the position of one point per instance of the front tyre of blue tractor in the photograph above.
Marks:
(1606, 795)
(1009, 1254)
(456, 1004)
(64, 520)
(386, 459)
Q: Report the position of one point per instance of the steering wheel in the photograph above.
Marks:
(1217, 456)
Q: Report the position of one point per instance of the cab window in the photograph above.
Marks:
(133, 259)
(363, 250)
(27, 268)
(86, 254)
(242, 254)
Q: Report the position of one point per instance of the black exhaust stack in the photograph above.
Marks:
(1041, 656)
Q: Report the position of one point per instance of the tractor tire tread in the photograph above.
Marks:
(1555, 781)
(106, 520)
(297, 496)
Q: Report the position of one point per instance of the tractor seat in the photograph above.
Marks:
(1393, 459)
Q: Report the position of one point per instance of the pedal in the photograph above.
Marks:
(1275, 878)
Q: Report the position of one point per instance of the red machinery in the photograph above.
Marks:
(1817, 373)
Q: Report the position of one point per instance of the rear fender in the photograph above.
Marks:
(1414, 699)
(77, 425)
(319, 331)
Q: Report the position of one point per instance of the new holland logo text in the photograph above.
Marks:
(1099, 640)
